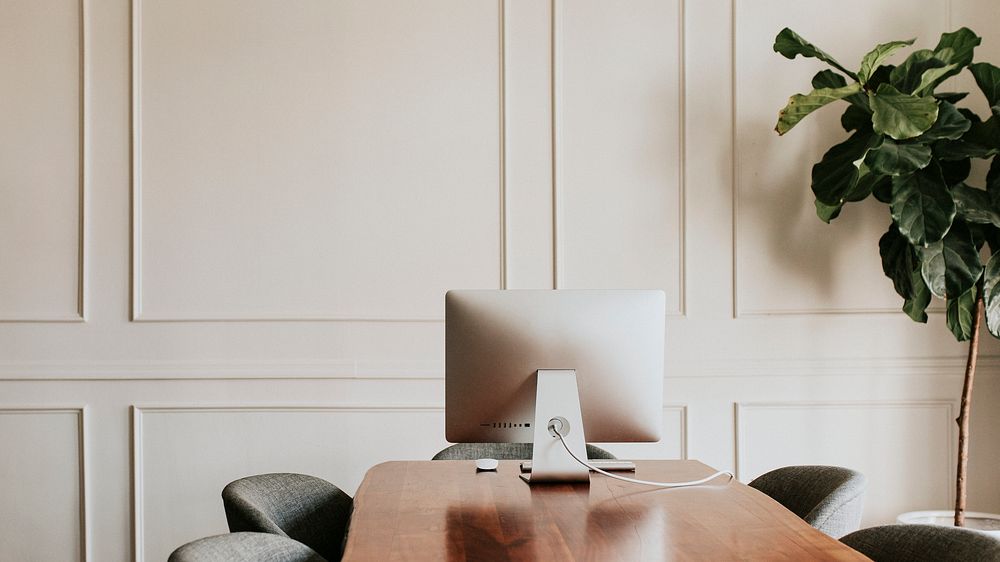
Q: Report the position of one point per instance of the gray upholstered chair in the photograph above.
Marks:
(830, 498)
(305, 508)
(923, 543)
(243, 547)
(502, 451)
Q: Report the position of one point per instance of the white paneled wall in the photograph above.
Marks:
(259, 205)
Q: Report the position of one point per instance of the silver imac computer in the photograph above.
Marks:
(531, 365)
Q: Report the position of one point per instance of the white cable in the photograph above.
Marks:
(635, 481)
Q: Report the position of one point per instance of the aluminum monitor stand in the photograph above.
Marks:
(557, 400)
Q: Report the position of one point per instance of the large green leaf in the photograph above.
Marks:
(837, 173)
(991, 294)
(951, 266)
(955, 51)
(790, 44)
(877, 56)
(981, 232)
(856, 119)
(963, 149)
(960, 312)
(879, 76)
(982, 140)
(950, 124)
(988, 79)
(828, 79)
(951, 97)
(916, 307)
(922, 206)
(906, 77)
(801, 105)
(892, 158)
(934, 76)
(991, 235)
(957, 47)
(955, 171)
(868, 183)
(993, 183)
(984, 135)
(960, 149)
(882, 190)
(974, 205)
(901, 116)
(925, 69)
(827, 213)
(899, 261)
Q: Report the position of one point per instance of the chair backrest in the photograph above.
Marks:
(924, 543)
(305, 508)
(830, 498)
(502, 451)
(239, 547)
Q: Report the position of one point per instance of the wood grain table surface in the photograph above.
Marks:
(445, 510)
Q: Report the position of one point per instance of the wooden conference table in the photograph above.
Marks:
(445, 510)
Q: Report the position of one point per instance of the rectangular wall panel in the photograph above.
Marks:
(41, 485)
(528, 146)
(875, 438)
(619, 128)
(41, 160)
(780, 243)
(185, 456)
(338, 160)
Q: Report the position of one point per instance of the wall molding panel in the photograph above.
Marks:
(562, 279)
(83, 464)
(987, 366)
(346, 369)
(795, 427)
(140, 444)
(745, 122)
(79, 313)
(317, 369)
(139, 300)
(945, 407)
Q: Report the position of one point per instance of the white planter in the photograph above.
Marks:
(988, 523)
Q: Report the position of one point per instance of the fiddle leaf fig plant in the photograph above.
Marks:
(911, 148)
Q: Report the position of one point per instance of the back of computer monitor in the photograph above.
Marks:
(496, 341)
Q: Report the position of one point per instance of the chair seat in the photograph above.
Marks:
(305, 508)
(924, 543)
(245, 547)
(830, 498)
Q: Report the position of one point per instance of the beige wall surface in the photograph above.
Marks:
(226, 229)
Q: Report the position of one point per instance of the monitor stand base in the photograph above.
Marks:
(608, 465)
(557, 401)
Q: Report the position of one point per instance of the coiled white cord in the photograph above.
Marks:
(636, 481)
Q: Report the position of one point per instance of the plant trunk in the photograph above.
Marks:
(963, 412)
